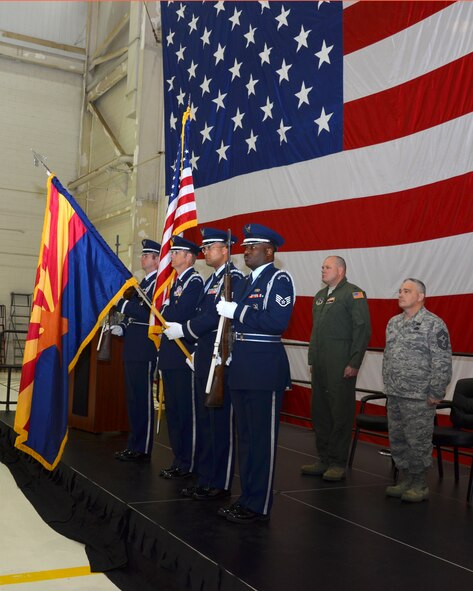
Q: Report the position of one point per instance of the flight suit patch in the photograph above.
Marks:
(358, 295)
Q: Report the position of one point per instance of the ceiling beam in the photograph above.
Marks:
(42, 58)
(43, 42)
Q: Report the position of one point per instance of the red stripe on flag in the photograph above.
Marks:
(423, 213)
(365, 23)
(452, 309)
(179, 216)
(50, 255)
(410, 107)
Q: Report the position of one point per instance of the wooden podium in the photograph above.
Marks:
(97, 400)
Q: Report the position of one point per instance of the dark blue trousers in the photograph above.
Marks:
(181, 416)
(257, 419)
(216, 449)
(139, 377)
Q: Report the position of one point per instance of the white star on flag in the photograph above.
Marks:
(222, 151)
(323, 120)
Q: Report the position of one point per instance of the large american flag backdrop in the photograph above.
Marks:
(346, 127)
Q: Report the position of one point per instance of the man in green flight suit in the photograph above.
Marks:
(340, 334)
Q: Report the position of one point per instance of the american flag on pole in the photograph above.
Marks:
(346, 127)
(181, 215)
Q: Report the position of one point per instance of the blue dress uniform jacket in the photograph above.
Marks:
(138, 347)
(182, 304)
(259, 360)
(177, 375)
(259, 374)
(139, 355)
(215, 426)
(204, 325)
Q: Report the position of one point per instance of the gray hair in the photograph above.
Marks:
(420, 284)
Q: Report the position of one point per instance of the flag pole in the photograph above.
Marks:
(161, 319)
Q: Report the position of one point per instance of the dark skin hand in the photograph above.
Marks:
(129, 293)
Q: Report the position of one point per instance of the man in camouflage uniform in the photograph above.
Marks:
(417, 367)
(340, 335)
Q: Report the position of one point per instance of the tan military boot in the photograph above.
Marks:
(334, 474)
(397, 490)
(418, 491)
(315, 469)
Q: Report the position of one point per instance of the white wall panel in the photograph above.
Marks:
(61, 22)
(39, 109)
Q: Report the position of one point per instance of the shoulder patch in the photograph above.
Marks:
(358, 295)
(283, 302)
(283, 275)
(442, 339)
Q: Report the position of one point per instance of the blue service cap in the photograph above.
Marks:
(211, 235)
(179, 243)
(150, 246)
(258, 234)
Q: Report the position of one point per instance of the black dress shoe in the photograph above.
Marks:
(128, 455)
(170, 473)
(119, 454)
(188, 491)
(224, 511)
(202, 493)
(243, 515)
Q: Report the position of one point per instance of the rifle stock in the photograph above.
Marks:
(222, 346)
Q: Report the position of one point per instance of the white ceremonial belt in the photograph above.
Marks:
(256, 338)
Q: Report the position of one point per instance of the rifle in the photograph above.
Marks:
(222, 346)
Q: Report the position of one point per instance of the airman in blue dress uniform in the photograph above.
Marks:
(139, 356)
(176, 373)
(215, 426)
(259, 369)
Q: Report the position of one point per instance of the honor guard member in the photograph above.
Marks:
(215, 426)
(340, 334)
(259, 369)
(177, 375)
(417, 367)
(139, 356)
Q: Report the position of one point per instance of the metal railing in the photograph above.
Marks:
(9, 367)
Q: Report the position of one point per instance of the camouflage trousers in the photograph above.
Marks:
(410, 423)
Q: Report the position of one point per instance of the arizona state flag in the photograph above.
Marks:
(78, 280)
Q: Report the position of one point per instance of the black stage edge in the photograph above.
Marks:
(329, 536)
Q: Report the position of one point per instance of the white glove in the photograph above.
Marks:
(116, 330)
(173, 331)
(226, 309)
(190, 362)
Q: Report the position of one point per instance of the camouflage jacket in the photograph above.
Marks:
(417, 360)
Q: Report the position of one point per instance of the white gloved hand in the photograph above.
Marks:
(116, 330)
(226, 309)
(190, 362)
(173, 331)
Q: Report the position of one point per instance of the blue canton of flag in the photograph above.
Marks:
(264, 81)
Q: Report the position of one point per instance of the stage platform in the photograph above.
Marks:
(325, 536)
